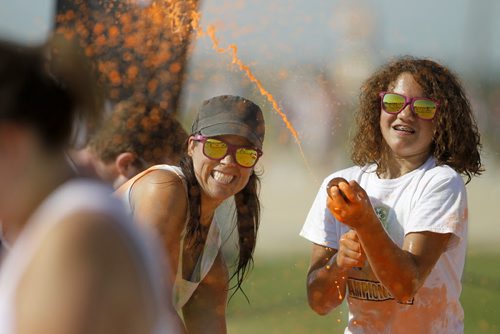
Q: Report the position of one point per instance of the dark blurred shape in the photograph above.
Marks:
(134, 137)
(50, 87)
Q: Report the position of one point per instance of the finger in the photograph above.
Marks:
(348, 191)
(346, 258)
(334, 184)
(351, 241)
(351, 234)
(335, 191)
(336, 204)
(352, 245)
(360, 192)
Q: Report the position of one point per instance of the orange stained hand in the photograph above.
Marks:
(349, 204)
(350, 253)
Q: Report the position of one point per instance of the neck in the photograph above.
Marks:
(399, 166)
(208, 207)
(37, 181)
(207, 212)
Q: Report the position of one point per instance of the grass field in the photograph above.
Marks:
(276, 289)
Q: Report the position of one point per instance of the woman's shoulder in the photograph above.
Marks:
(159, 173)
(154, 178)
(158, 181)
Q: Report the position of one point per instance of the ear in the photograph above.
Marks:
(191, 146)
(124, 164)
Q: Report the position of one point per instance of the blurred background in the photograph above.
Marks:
(311, 56)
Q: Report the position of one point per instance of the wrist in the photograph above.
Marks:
(371, 224)
(333, 267)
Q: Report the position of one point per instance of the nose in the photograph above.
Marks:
(406, 112)
(228, 159)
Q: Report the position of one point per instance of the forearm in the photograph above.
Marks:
(326, 287)
(394, 267)
(205, 311)
(203, 318)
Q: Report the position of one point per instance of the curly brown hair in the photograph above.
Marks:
(144, 129)
(456, 141)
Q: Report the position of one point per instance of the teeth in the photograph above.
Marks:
(403, 128)
(222, 178)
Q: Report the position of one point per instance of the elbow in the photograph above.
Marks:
(320, 304)
(404, 293)
(319, 309)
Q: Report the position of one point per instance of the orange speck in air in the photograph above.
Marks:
(98, 28)
(338, 288)
(236, 60)
(175, 67)
(113, 32)
(115, 78)
(70, 15)
(132, 72)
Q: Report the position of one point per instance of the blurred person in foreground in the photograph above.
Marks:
(76, 263)
(136, 136)
(179, 203)
(391, 235)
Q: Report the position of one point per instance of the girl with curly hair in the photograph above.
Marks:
(390, 233)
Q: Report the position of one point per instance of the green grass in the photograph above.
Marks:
(276, 289)
(481, 293)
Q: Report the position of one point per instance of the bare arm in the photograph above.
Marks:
(326, 279)
(83, 279)
(401, 270)
(159, 201)
(205, 312)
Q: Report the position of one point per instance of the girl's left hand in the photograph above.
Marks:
(349, 204)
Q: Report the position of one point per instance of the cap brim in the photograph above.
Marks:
(232, 129)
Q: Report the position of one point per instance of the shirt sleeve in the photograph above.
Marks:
(441, 208)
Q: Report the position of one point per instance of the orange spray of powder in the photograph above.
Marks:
(246, 69)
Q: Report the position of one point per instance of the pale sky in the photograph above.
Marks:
(463, 33)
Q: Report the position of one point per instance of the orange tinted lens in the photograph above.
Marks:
(214, 148)
(393, 103)
(425, 109)
(246, 157)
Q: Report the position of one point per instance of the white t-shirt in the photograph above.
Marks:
(80, 196)
(430, 198)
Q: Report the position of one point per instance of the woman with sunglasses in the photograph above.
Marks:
(180, 203)
(390, 233)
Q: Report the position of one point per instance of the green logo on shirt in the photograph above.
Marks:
(383, 215)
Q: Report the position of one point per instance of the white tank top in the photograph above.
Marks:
(73, 196)
(184, 289)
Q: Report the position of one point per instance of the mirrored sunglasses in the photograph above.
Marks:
(217, 149)
(422, 107)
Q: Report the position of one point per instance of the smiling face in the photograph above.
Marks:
(222, 179)
(408, 137)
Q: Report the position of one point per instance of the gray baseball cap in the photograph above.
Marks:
(231, 115)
